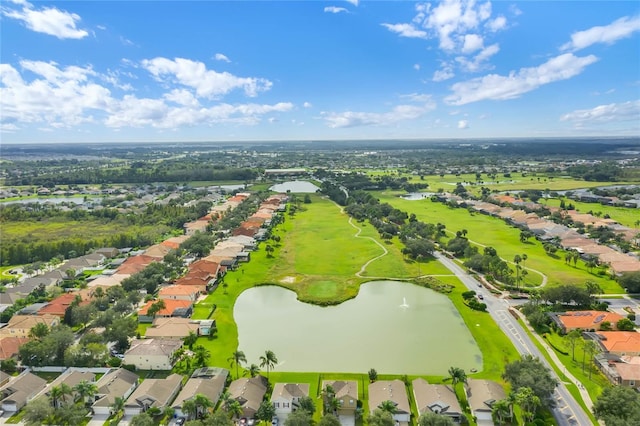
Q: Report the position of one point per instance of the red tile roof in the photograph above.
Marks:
(587, 320)
(59, 305)
(9, 346)
(170, 306)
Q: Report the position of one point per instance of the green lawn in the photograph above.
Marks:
(504, 238)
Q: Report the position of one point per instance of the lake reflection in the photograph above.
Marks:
(295, 186)
(391, 326)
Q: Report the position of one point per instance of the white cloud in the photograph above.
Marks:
(416, 67)
(335, 9)
(444, 73)
(472, 42)
(477, 62)
(358, 118)
(307, 105)
(354, 2)
(48, 20)
(451, 20)
(221, 57)
(498, 87)
(56, 96)
(463, 124)
(418, 97)
(619, 29)
(626, 111)
(208, 83)
(497, 24)
(406, 30)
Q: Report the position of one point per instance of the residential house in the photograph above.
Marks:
(249, 392)
(157, 393)
(179, 292)
(20, 390)
(60, 304)
(152, 354)
(346, 392)
(108, 252)
(174, 242)
(190, 228)
(286, 397)
(9, 346)
(119, 383)
(208, 381)
(21, 325)
(438, 399)
(481, 395)
(172, 328)
(620, 370)
(158, 251)
(619, 343)
(585, 320)
(172, 308)
(70, 377)
(394, 391)
(135, 264)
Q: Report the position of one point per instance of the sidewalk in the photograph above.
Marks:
(583, 392)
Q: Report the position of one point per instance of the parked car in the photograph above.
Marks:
(274, 421)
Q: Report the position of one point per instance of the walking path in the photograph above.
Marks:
(544, 277)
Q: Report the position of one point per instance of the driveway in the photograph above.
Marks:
(98, 420)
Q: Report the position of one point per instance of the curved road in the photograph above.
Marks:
(567, 412)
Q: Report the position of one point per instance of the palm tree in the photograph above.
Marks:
(58, 394)
(388, 406)
(457, 375)
(501, 411)
(55, 394)
(237, 358)
(85, 389)
(190, 409)
(117, 407)
(234, 409)
(201, 355)
(253, 370)
(203, 403)
(190, 340)
(268, 360)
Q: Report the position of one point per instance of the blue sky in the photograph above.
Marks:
(100, 71)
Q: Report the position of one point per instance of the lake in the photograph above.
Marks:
(295, 186)
(394, 327)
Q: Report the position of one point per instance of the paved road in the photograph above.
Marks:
(567, 412)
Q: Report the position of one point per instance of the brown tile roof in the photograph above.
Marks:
(9, 346)
(170, 306)
(59, 305)
(27, 322)
(435, 398)
(481, 394)
(171, 328)
(620, 341)
(389, 390)
(135, 264)
(174, 242)
(587, 320)
(204, 265)
(628, 371)
(178, 290)
(158, 251)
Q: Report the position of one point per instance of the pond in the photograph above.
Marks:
(394, 327)
(295, 186)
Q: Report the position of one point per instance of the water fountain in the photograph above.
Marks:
(404, 303)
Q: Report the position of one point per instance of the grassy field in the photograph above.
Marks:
(504, 238)
(538, 181)
(27, 232)
(323, 270)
